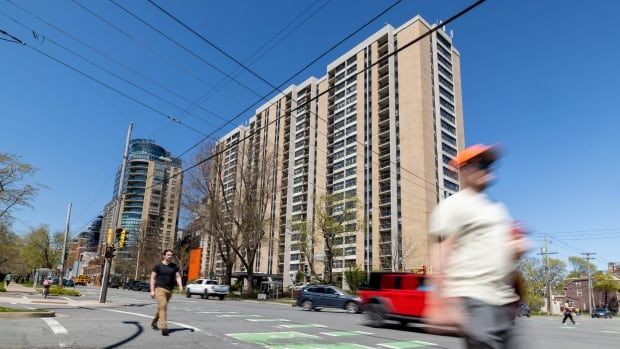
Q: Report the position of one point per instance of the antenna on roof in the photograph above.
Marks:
(451, 34)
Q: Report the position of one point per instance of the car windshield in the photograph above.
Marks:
(339, 291)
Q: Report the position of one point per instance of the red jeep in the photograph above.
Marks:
(394, 296)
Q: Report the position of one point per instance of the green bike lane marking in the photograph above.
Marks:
(321, 346)
(273, 338)
(345, 333)
(406, 344)
(301, 326)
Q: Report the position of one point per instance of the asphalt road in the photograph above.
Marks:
(198, 323)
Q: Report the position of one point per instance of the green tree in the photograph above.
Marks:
(607, 283)
(355, 278)
(14, 192)
(42, 249)
(534, 275)
(579, 266)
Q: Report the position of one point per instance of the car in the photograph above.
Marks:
(315, 297)
(394, 296)
(207, 288)
(81, 280)
(141, 286)
(524, 310)
(68, 282)
(129, 284)
(602, 313)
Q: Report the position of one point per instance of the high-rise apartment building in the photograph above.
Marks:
(381, 127)
(150, 204)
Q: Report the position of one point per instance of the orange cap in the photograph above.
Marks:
(489, 152)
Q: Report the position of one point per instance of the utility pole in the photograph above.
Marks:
(109, 249)
(544, 251)
(64, 248)
(590, 295)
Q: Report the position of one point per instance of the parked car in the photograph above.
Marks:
(207, 288)
(524, 310)
(602, 312)
(68, 282)
(129, 284)
(325, 296)
(141, 286)
(394, 296)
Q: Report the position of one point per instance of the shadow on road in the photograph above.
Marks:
(171, 330)
(139, 330)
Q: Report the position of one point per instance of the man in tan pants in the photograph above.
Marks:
(163, 278)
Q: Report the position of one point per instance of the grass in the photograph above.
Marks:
(27, 284)
(15, 310)
(56, 291)
(2, 289)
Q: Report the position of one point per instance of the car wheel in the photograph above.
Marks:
(404, 323)
(307, 305)
(204, 295)
(376, 315)
(352, 307)
(221, 297)
(187, 294)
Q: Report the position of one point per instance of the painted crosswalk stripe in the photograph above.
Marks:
(406, 344)
(56, 327)
(239, 315)
(345, 333)
(268, 320)
(218, 312)
(611, 332)
(271, 338)
(300, 325)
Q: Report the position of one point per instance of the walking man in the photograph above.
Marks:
(568, 314)
(163, 278)
(7, 279)
(476, 246)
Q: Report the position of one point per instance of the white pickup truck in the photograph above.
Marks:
(207, 288)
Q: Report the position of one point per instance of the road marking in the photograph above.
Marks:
(300, 325)
(56, 327)
(67, 298)
(150, 317)
(218, 312)
(271, 338)
(268, 320)
(345, 333)
(320, 346)
(13, 303)
(31, 308)
(24, 297)
(406, 344)
(618, 332)
(238, 315)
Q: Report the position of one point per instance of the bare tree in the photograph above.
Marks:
(246, 203)
(203, 198)
(13, 192)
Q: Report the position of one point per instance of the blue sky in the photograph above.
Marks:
(538, 77)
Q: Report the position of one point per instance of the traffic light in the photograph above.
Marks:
(110, 237)
(306, 271)
(121, 241)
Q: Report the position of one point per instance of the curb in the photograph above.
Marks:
(27, 314)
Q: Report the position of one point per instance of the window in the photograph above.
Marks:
(350, 171)
(448, 127)
(350, 160)
(444, 103)
(351, 129)
(578, 293)
(449, 173)
(577, 284)
(445, 82)
(447, 115)
(351, 139)
(449, 185)
(445, 71)
(446, 137)
(351, 182)
(339, 155)
(329, 290)
(448, 149)
(349, 251)
(351, 119)
(446, 93)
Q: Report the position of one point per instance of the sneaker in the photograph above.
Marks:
(154, 326)
(564, 323)
(164, 332)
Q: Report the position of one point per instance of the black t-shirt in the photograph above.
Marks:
(166, 275)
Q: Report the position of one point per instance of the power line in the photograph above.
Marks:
(422, 36)
(157, 54)
(94, 49)
(197, 56)
(253, 58)
(158, 112)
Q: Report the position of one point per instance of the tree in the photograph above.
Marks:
(204, 200)
(335, 215)
(535, 277)
(13, 192)
(307, 242)
(355, 278)
(579, 266)
(41, 249)
(606, 282)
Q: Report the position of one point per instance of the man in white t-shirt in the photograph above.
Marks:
(476, 251)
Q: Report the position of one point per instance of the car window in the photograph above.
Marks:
(211, 282)
(315, 289)
(329, 290)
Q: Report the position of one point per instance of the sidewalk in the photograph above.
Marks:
(31, 296)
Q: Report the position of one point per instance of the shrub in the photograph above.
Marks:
(57, 291)
(2, 288)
